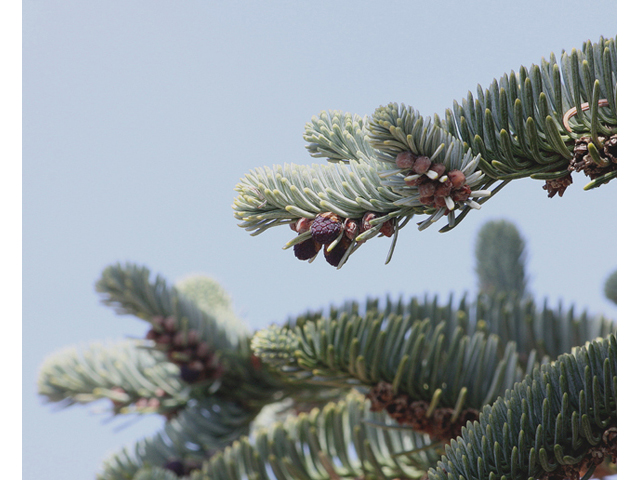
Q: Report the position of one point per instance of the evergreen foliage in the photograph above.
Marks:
(558, 419)
(611, 287)
(500, 259)
(545, 123)
(494, 386)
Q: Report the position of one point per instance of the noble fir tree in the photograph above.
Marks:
(490, 387)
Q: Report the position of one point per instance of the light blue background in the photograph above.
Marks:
(140, 117)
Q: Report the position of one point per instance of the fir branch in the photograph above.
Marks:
(156, 473)
(200, 430)
(416, 356)
(501, 259)
(135, 379)
(397, 164)
(287, 195)
(344, 440)
(129, 290)
(547, 331)
(431, 168)
(557, 422)
(337, 136)
(364, 197)
(526, 124)
(212, 299)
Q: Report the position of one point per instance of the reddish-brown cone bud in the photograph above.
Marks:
(326, 227)
(366, 218)
(202, 350)
(380, 396)
(438, 168)
(461, 194)
(457, 178)
(164, 339)
(428, 201)
(169, 324)
(440, 202)
(422, 164)
(351, 228)
(388, 228)
(307, 249)
(152, 335)
(335, 255)
(193, 338)
(405, 160)
(412, 182)
(427, 189)
(443, 189)
(180, 339)
(302, 225)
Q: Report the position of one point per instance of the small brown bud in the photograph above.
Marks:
(164, 339)
(326, 227)
(351, 228)
(422, 164)
(307, 249)
(335, 255)
(388, 228)
(428, 201)
(440, 202)
(152, 335)
(399, 408)
(191, 373)
(169, 324)
(457, 178)
(412, 182)
(366, 218)
(380, 396)
(202, 350)
(405, 159)
(193, 338)
(427, 189)
(436, 170)
(180, 339)
(443, 189)
(303, 225)
(461, 194)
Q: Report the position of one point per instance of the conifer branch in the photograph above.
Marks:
(528, 123)
(193, 325)
(341, 205)
(543, 122)
(135, 379)
(548, 331)
(500, 259)
(344, 440)
(338, 137)
(155, 473)
(200, 430)
(129, 290)
(557, 422)
(416, 356)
